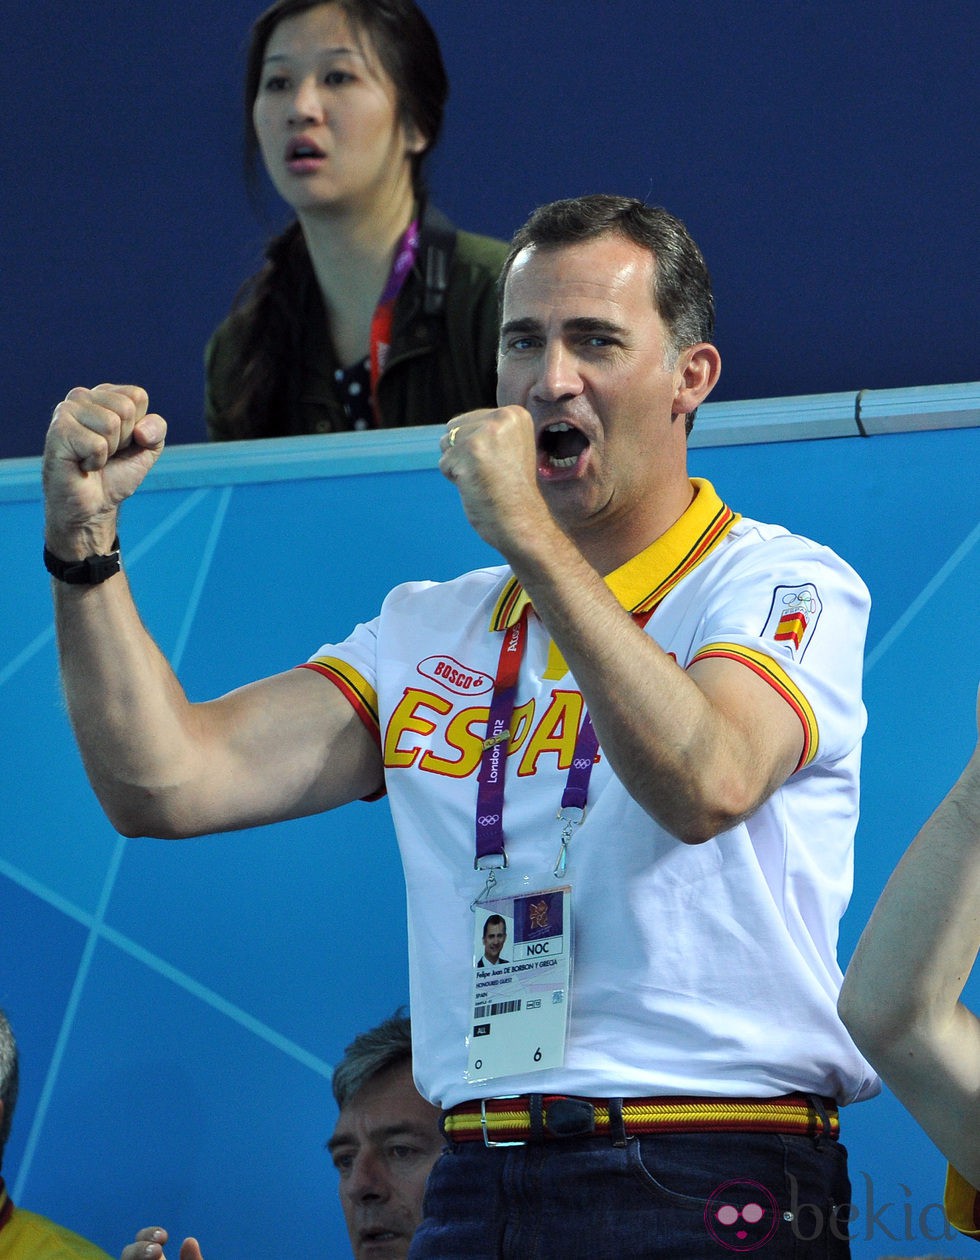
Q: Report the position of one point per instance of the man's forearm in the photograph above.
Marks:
(684, 759)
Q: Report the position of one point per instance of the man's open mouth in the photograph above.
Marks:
(561, 445)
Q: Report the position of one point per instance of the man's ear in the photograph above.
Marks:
(697, 371)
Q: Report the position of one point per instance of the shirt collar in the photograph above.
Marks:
(642, 582)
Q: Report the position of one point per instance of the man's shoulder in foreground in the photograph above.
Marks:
(28, 1235)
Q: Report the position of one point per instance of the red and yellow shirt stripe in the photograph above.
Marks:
(777, 678)
(360, 694)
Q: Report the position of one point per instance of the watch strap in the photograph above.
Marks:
(88, 572)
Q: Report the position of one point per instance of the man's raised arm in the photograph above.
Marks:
(699, 749)
(283, 747)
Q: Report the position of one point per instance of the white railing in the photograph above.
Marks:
(867, 413)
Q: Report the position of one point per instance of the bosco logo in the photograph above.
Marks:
(447, 671)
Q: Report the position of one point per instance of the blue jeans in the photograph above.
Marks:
(682, 1196)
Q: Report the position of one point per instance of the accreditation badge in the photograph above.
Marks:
(522, 962)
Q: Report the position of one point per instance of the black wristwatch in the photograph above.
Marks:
(87, 572)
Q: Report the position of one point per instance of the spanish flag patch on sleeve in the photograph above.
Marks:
(793, 617)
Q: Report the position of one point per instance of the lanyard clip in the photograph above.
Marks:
(570, 817)
(489, 886)
(490, 862)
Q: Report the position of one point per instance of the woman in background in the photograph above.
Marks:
(371, 309)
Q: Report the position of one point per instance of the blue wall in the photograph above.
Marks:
(180, 1006)
(825, 156)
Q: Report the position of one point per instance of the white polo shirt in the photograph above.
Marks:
(703, 969)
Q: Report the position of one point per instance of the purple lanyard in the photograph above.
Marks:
(490, 850)
(384, 315)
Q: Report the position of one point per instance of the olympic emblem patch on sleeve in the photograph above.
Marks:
(793, 617)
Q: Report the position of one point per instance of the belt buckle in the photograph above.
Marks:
(487, 1139)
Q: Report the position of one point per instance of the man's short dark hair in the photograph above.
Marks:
(9, 1080)
(372, 1052)
(494, 918)
(682, 286)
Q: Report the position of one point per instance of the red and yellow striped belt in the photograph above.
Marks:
(543, 1117)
